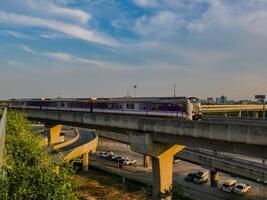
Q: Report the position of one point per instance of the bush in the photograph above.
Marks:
(29, 172)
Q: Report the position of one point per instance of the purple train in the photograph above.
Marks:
(188, 108)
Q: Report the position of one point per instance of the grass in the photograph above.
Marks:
(97, 185)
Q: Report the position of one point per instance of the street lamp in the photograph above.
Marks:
(135, 86)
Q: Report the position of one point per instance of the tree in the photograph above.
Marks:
(29, 172)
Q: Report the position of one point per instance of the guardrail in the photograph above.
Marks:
(2, 136)
(242, 120)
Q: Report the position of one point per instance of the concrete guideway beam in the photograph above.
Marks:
(54, 134)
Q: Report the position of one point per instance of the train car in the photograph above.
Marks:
(182, 107)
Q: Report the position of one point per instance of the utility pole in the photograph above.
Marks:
(174, 90)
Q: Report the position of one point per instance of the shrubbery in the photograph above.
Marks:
(28, 171)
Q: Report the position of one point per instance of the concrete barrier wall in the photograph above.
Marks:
(2, 136)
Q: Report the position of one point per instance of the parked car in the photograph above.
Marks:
(201, 177)
(229, 185)
(190, 177)
(242, 188)
(175, 160)
(118, 157)
(105, 155)
(129, 162)
(101, 154)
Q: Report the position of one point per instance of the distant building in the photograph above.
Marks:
(203, 101)
(218, 100)
(210, 100)
(223, 99)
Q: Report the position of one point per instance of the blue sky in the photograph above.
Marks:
(83, 48)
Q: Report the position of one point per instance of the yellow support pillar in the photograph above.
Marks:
(162, 167)
(256, 114)
(54, 134)
(214, 178)
(147, 161)
(85, 162)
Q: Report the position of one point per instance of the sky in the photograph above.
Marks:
(85, 48)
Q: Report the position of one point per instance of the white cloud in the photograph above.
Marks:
(68, 29)
(49, 9)
(82, 16)
(58, 56)
(163, 23)
(26, 48)
(66, 57)
(146, 3)
(18, 35)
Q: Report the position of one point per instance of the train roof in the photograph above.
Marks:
(116, 99)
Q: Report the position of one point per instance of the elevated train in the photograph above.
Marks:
(182, 107)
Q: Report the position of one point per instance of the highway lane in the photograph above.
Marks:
(85, 136)
(201, 192)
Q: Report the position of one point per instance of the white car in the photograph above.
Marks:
(129, 162)
(175, 160)
(101, 154)
(229, 185)
(242, 188)
(107, 155)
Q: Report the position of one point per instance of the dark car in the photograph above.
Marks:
(190, 177)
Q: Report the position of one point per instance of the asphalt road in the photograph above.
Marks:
(200, 192)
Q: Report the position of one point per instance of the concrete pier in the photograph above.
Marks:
(54, 134)
(214, 177)
(85, 162)
(147, 161)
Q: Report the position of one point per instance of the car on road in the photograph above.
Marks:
(229, 185)
(190, 177)
(129, 162)
(175, 161)
(101, 154)
(105, 155)
(242, 188)
(201, 177)
(118, 158)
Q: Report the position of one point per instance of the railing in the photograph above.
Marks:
(2, 137)
(231, 119)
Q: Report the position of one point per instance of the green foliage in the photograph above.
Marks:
(29, 172)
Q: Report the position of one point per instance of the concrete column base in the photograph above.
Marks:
(147, 161)
(214, 178)
(85, 162)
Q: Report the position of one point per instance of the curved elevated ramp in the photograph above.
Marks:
(85, 142)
